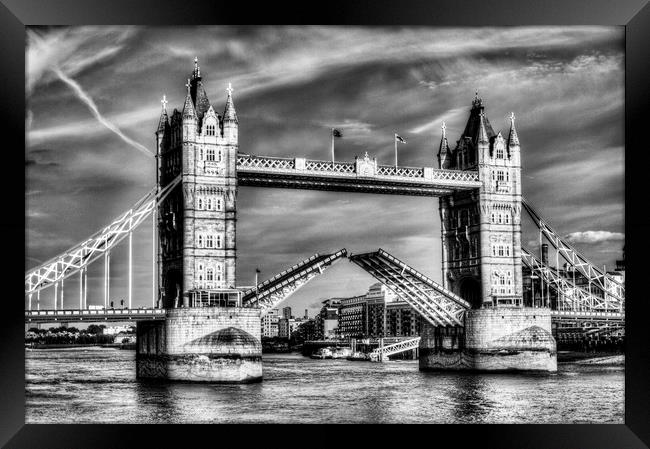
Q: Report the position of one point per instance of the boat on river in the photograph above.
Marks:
(358, 355)
(322, 353)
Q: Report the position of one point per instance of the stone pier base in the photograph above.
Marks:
(203, 344)
(498, 339)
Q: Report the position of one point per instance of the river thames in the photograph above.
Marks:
(96, 385)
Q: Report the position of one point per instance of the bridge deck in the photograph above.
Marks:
(363, 175)
(74, 315)
(279, 287)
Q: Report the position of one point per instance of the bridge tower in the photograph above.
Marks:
(481, 258)
(208, 335)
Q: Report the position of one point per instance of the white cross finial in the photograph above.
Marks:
(164, 102)
(512, 117)
(188, 85)
(444, 127)
(229, 90)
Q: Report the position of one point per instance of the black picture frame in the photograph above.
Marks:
(633, 14)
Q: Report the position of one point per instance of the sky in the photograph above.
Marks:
(93, 96)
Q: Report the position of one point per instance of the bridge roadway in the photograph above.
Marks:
(362, 175)
(74, 315)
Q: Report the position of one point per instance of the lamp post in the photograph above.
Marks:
(532, 285)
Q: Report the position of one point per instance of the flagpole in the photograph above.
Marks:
(332, 136)
(395, 139)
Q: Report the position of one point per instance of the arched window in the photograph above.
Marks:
(219, 242)
(200, 204)
(209, 205)
(499, 152)
(219, 155)
(210, 154)
(201, 154)
(209, 275)
(500, 175)
(219, 272)
(209, 241)
(200, 241)
(219, 204)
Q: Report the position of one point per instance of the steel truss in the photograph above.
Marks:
(276, 289)
(613, 291)
(81, 255)
(395, 348)
(438, 306)
(570, 296)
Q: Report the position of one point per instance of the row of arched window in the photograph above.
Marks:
(209, 241)
(210, 202)
(209, 277)
(210, 155)
(500, 218)
(502, 282)
(501, 250)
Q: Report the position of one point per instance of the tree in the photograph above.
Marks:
(95, 330)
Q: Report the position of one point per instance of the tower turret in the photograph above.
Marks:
(230, 122)
(444, 153)
(190, 119)
(197, 92)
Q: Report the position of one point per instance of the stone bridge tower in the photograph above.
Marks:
(197, 223)
(207, 335)
(481, 230)
(481, 261)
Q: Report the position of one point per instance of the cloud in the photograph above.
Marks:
(83, 96)
(595, 236)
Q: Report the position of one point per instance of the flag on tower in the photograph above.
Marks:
(335, 133)
(399, 138)
(257, 270)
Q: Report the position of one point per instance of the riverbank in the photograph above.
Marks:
(592, 358)
(80, 346)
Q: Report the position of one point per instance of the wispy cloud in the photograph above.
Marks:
(83, 96)
(595, 236)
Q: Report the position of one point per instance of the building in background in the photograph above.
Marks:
(270, 323)
(286, 313)
(327, 319)
(353, 317)
(305, 331)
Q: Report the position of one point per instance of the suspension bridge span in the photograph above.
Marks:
(203, 326)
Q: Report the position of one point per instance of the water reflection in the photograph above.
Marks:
(67, 387)
(471, 403)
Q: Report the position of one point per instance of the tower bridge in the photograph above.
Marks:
(202, 326)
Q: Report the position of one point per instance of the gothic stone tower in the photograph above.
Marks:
(481, 230)
(481, 260)
(197, 223)
(207, 335)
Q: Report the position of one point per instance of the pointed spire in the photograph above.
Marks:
(229, 113)
(513, 139)
(482, 133)
(197, 69)
(163, 114)
(443, 151)
(188, 107)
(478, 101)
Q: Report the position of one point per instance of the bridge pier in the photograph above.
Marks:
(493, 339)
(201, 344)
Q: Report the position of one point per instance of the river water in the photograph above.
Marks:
(96, 385)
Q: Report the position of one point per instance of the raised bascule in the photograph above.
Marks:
(202, 326)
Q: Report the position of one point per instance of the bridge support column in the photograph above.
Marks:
(202, 344)
(493, 339)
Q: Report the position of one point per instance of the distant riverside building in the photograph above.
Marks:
(271, 323)
(378, 313)
(286, 312)
(353, 317)
(306, 330)
(328, 319)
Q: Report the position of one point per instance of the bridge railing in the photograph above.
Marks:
(302, 165)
